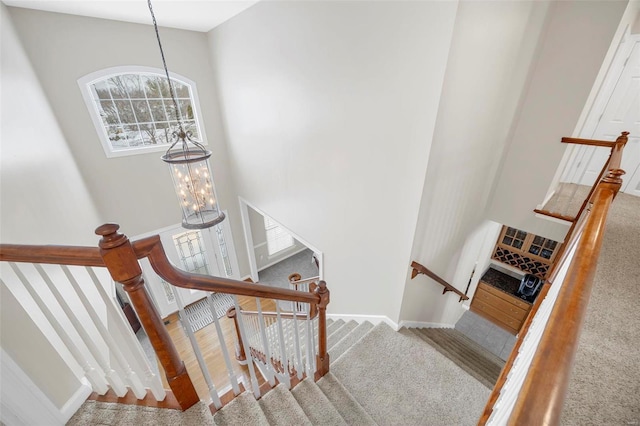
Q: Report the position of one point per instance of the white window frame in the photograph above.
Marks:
(278, 238)
(86, 89)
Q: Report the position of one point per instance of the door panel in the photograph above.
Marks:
(622, 113)
(202, 251)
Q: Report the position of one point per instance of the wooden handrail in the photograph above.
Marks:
(304, 281)
(420, 269)
(613, 162)
(541, 398)
(57, 255)
(592, 142)
(151, 247)
(502, 378)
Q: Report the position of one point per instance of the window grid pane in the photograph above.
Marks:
(136, 109)
(277, 238)
(191, 252)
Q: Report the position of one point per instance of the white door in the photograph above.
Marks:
(622, 113)
(200, 251)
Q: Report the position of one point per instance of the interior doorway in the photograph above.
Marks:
(275, 251)
(616, 109)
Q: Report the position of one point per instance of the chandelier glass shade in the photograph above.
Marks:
(188, 162)
(193, 182)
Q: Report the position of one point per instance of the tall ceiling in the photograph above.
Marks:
(195, 15)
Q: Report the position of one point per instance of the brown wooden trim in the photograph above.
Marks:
(322, 358)
(149, 400)
(419, 269)
(555, 215)
(592, 142)
(151, 247)
(118, 254)
(548, 375)
(58, 255)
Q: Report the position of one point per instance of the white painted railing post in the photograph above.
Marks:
(245, 343)
(233, 379)
(196, 350)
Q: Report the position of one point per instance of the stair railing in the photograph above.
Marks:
(420, 269)
(615, 154)
(532, 386)
(72, 289)
(291, 339)
(120, 257)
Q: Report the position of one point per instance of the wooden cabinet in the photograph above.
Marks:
(528, 252)
(505, 310)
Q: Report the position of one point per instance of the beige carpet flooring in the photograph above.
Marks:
(605, 384)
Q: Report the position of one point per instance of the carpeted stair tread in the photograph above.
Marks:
(334, 326)
(350, 410)
(337, 335)
(349, 340)
(465, 353)
(400, 379)
(459, 340)
(107, 413)
(315, 404)
(243, 410)
(281, 408)
(470, 360)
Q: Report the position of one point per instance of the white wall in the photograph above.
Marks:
(134, 191)
(492, 49)
(329, 109)
(576, 40)
(44, 200)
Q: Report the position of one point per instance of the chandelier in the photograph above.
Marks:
(188, 162)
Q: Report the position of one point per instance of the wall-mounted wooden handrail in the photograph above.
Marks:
(56, 255)
(420, 269)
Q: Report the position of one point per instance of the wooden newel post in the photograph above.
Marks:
(122, 263)
(323, 356)
(241, 357)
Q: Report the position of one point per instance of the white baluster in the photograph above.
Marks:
(113, 378)
(196, 349)
(296, 343)
(98, 383)
(283, 354)
(128, 337)
(121, 361)
(310, 361)
(266, 350)
(223, 346)
(247, 349)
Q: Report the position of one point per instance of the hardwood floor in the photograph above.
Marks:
(210, 347)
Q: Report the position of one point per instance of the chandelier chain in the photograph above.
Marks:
(166, 70)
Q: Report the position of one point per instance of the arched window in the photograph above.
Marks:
(133, 112)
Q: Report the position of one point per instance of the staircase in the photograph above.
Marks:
(378, 376)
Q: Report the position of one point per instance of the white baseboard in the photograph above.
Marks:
(423, 324)
(374, 319)
(77, 399)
